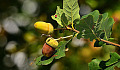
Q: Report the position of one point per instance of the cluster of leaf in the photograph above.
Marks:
(97, 64)
(68, 14)
(93, 26)
(64, 17)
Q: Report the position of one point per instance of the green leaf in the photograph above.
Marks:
(64, 20)
(71, 10)
(106, 26)
(113, 61)
(114, 58)
(104, 16)
(98, 43)
(118, 64)
(106, 65)
(61, 50)
(95, 25)
(95, 15)
(87, 28)
(112, 67)
(94, 64)
(58, 13)
(42, 60)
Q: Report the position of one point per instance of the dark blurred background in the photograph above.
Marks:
(20, 42)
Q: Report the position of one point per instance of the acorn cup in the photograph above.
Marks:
(43, 27)
(49, 47)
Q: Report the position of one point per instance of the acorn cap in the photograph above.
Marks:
(45, 28)
(52, 42)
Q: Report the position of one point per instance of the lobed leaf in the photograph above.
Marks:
(58, 15)
(114, 58)
(42, 60)
(95, 15)
(106, 27)
(94, 64)
(71, 10)
(64, 20)
(87, 28)
(95, 25)
(112, 67)
(118, 64)
(106, 65)
(102, 18)
(61, 50)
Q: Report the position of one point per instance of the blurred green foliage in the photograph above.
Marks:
(29, 41)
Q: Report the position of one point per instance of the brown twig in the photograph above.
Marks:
(60, 29)
(68, 28)
(102, 40)
(110, 42)
(76, 30)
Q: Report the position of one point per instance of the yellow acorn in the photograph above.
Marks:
(49, 47)
(45, 28)
(52, 42)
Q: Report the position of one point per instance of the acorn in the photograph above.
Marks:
(43, 27)
(49, 47)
